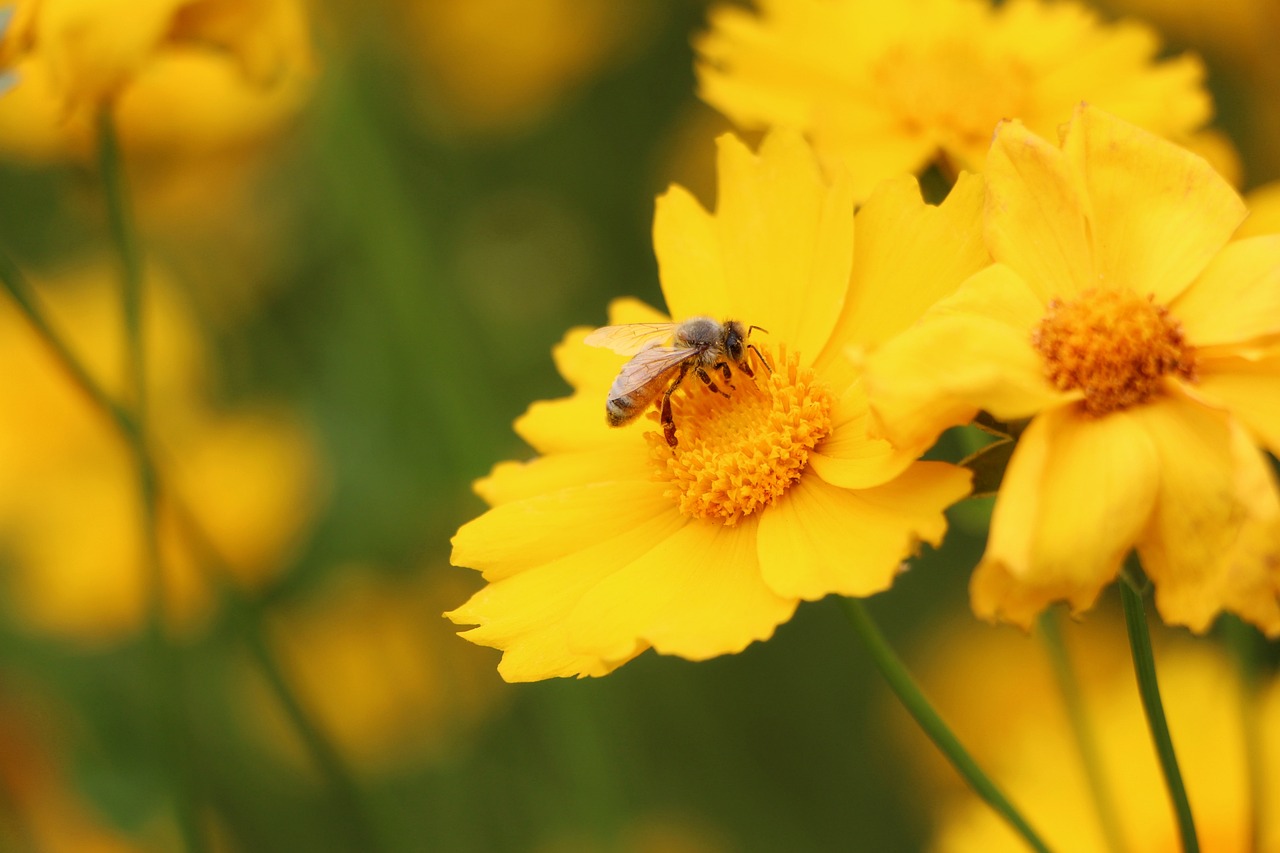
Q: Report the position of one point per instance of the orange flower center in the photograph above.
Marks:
(736, 454)
(1113, 345)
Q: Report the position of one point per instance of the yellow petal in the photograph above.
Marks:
(525, 534)
(528, 614)
(1036, 218)
(690, 261)
(820, 539)
(573, 423)
(1249, 389)
(908, 256)
(513, 481)
(697, 594)
(1214, 540)
(972, 351)
(1157, 212)
(850, 457)
(1237, 298)
(784, 230)
(1075, 499)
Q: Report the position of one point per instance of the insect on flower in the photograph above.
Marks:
(699, 344)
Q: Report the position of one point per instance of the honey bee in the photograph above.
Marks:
(698, 345)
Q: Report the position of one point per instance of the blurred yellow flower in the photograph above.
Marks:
(500, 65)
(613, 540)
(1034, 753)
(250, 479)
(370, 658)
(1146, 348)
(183, 77)
(890, 87)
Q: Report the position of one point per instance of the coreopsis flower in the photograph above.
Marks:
(768, 490)
(1144, 345)
(182, 76)
(1031, 746)
(69, 516)
(892, 87)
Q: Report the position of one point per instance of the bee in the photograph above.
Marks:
(699, 345)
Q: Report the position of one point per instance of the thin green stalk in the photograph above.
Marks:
(172, 728)
(338, 778)
(1086, 743)
(1144, 665)
(909, 693)
(1243, 641)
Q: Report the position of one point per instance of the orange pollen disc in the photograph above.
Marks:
(1115, 346)
(736, 454)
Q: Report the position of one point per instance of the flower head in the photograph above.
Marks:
(889, 87)
(1144, 347)
(616, 539)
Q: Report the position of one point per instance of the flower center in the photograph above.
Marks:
(736, 454)
(1113, 345)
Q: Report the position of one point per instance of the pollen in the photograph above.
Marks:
(1115, 346)
(738, 453)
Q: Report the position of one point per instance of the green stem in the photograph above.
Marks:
(166, 663)
(909, 693)
(1144, 665)
(1086, 743)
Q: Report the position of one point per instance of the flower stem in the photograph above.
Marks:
(1144, 665)
(1103, 802)
(909, 693)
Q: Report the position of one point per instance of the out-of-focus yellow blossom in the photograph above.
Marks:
(184, 77)
(1236, 32)
(70, 516)
(500, 65)
(613, 541)
(370, 657)
(887, 88)
(1264, 212)
(1034, 755)
(1144, 345)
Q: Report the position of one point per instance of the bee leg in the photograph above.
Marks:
(667, 419)
(725, 371)
(760, 356)
(706, 377)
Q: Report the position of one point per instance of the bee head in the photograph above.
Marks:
(735, 340)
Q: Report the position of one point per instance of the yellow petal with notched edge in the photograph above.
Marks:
(1237, 298)
(519, 535)
(513, 481)
(528, 615)
(783, 230)
(1036, 220)
(926, 252)
(1249, 389)
(1214, 540)
(971, 351)
(821, 539)
(1075, 498)
(698, 593)
(1157, 213)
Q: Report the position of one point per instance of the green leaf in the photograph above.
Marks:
(988, 466)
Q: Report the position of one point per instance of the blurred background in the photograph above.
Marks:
(354, 279)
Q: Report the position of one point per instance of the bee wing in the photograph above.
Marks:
(646, 366)
(630, 338)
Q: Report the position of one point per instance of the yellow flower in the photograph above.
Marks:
(613, 541)
(183, 77)
(250, 478)
(1031, 749)
(1146, 348)
(383, 678)
(890, 87)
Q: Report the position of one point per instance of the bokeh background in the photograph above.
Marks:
(353, 289)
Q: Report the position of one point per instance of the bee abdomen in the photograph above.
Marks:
(623, 410)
